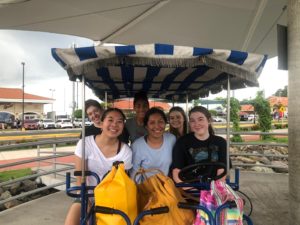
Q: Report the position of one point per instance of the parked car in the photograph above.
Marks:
(251, 117)
(63, 123)
(47, 124)
(78, 123)
(6, 120)
(31, 124)
(244, 117)
(219, 119)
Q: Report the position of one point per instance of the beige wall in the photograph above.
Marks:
(16, 108)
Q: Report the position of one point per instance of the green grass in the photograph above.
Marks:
(284, 140)
(13, 174)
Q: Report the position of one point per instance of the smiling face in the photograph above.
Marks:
(112, 124)
(156, 126)
(199, 125)
(176, 120)
(94, 114)
(140, 108)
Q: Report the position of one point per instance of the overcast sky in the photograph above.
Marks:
(43, 73)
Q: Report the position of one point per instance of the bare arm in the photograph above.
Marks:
(78, 168)
(220, 171)
(175, 173)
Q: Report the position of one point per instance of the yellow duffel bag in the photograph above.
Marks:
(118, 192)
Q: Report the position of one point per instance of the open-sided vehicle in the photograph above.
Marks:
(175, 73)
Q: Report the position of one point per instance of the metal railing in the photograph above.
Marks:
(54, 154)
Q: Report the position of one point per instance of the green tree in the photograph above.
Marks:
(109, 105)
(235, 118)
(196, 102)
(78, 113)
(262, 108)
(213, 112)
(282, 92)
(235, 108)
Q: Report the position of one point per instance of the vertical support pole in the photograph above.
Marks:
(77, 103)
(23, 94)
(293, 9)
(187, 104)
(105, 100)
(83, 177)
(39, 155)
(83, 130)
(73, 101)
(54, 159)
(228, 127)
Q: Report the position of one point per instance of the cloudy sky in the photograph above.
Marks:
(43, 73)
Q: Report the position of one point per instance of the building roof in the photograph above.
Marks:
(275, 100)
(127, 104)
(16, 95)
(247, 108)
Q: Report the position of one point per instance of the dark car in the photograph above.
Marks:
(244, 117)
(31, 124)
(6, 120)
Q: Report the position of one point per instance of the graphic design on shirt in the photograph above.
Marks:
(202, 153)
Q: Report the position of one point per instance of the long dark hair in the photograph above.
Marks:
(152, 111)
(207, 114)
(140, 96)
(185, 126)
(104, 115)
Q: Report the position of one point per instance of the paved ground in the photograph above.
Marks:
(268, 192)
(49, 210)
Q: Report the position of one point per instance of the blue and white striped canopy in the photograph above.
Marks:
(162, 70)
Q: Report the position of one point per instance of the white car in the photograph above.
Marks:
(47, 124)
(78, 123)
(219, 119)
(64, 123)
(251, 117)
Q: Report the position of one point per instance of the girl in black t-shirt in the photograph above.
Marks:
(202, 145)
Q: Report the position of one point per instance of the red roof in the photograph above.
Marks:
(247, 108)
(17, 93)
(275, 100)
(127, 104)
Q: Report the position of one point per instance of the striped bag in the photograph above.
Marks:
(219, 194)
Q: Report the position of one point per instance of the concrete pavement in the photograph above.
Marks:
(268, 192)
(48, 210)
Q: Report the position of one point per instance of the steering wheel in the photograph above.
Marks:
(202, 172)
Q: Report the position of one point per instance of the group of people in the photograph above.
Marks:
(143, 141)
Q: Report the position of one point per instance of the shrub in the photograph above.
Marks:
(255, 127)
(236, 138)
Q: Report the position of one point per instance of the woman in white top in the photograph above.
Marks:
(100, 152)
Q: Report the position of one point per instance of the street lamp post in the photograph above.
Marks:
(52, 90)
(52, 113)
(23, 73)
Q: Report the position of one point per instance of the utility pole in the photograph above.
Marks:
(23, 73)
(52, 113)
